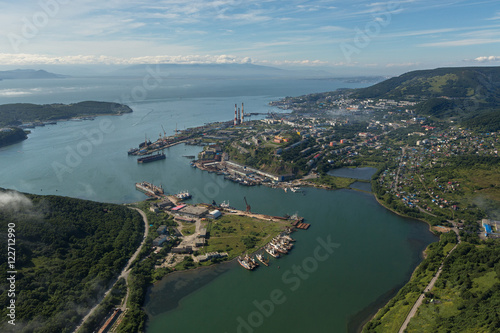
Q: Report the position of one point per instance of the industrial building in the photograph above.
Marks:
(193, 211)
(158, 241)
(214, 214)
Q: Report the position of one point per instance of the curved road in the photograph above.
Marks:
(125, 272)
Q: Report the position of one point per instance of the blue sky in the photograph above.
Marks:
(343, 36)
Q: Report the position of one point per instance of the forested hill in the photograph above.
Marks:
(67, 252)
(11, 135)
(15, 114)
(480, 82)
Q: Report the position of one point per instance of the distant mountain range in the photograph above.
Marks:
(29, 74)
(217, 70)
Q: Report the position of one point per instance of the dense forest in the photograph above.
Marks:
(15, 114)
(67, 253)
(11, 135)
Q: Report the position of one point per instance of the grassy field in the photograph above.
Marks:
(333, 182)
(188, 229)
(236, 234)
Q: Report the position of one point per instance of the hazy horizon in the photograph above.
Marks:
(346, 38)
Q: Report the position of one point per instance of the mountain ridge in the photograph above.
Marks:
(29, 74)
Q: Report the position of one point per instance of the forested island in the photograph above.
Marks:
(17, 114)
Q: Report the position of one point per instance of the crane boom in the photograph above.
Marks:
(248, 206)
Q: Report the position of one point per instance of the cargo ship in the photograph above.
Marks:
(151, 158)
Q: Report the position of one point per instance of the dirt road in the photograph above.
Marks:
(124, 274)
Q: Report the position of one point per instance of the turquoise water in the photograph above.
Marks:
(87, 159)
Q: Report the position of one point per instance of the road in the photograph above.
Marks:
(429, 287)
(124, 274)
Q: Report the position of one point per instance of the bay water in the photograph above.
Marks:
(332, 289)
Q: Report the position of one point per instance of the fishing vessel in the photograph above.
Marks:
(263, 260)
(269, 249)
(246, 263)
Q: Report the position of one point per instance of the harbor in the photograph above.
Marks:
(278, 246)
(108, 175)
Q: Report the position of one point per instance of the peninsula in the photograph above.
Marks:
(14, 117)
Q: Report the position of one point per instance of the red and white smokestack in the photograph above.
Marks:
(239, 116)
(242, 113)
(235, 114)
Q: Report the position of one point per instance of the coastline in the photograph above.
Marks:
(385, 298)
(77, 118)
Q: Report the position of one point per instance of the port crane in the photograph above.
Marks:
(248, 206)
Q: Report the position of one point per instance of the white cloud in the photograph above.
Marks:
(487, 59)
(40, 59)
(496, 17)
(462, 42)
(14, 201)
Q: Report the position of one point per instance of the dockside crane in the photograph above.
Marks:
(248, 206)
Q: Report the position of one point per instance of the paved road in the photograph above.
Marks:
(124, 274)
(429, 287)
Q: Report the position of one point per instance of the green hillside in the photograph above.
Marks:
(482, 83)
(67, 253)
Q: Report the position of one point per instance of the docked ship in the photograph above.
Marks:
(184, 195)
(245, 264)
(132, 151)
(149, 189)
(151, 158)
(261, 258)
(269, 249)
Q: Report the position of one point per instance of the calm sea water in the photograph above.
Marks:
(376, 252)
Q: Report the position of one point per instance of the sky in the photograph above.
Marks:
(342, 36)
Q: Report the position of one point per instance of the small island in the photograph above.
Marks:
(11, 135)
(16, 117)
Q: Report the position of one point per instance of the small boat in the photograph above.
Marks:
(132, 151)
